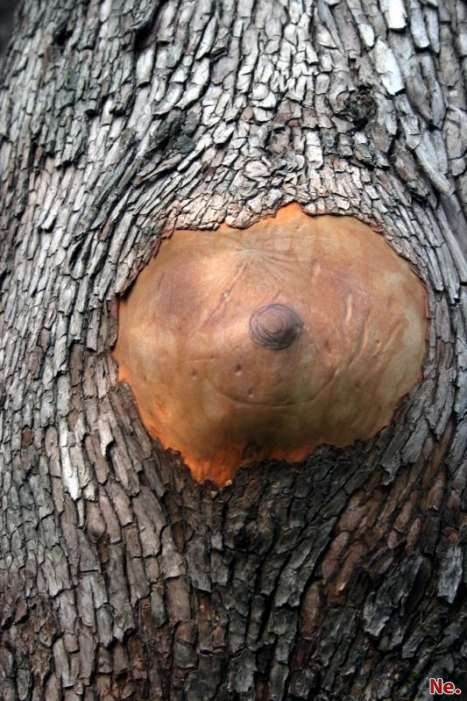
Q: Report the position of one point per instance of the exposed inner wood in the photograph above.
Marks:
(266, 342)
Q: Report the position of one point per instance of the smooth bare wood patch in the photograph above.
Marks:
(266, 342)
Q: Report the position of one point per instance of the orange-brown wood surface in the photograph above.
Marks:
(269, 341)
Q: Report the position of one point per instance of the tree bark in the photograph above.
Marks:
(120, 577)
(6, 19)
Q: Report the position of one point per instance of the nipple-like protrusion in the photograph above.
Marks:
(275, 326)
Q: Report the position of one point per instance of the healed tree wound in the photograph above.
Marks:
(270, 341)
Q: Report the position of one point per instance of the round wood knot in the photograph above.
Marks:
(275, 326)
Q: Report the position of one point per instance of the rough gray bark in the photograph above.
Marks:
(120, 578)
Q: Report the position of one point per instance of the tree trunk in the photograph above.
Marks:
(120, 577)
